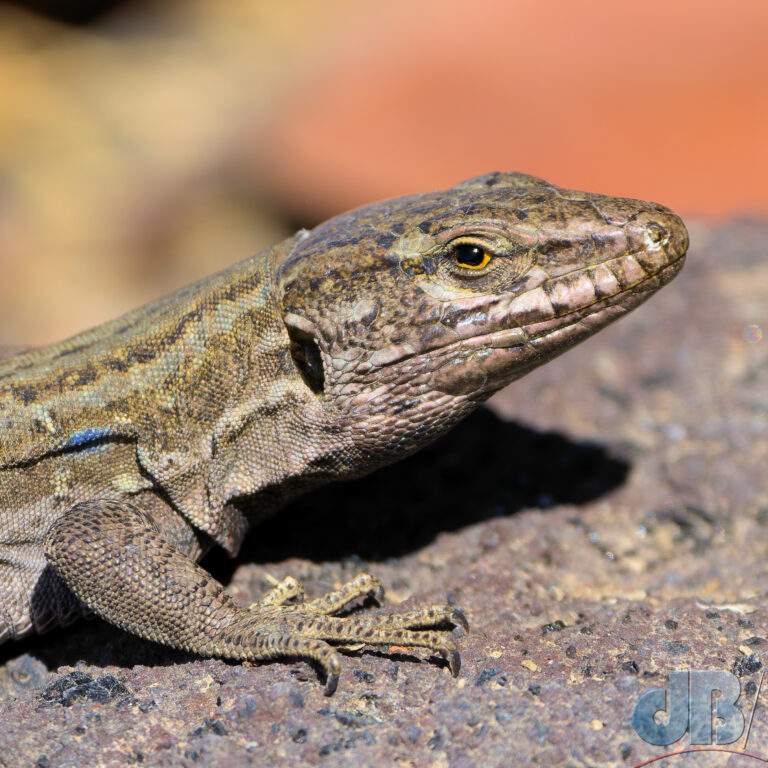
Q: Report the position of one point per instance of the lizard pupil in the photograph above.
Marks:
(471, 256)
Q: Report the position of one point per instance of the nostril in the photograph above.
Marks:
(657, 235)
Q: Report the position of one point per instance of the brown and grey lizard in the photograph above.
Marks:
(127, 450)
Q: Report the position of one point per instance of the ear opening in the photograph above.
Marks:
(307, 359)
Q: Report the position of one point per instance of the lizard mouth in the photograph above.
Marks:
(520, 332)
(625, 301)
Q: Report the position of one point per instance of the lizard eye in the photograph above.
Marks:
(469, 256)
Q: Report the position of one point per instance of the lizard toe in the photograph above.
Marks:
(332, 675)
(453, 657)
(458, 617)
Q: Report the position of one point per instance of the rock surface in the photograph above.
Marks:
(603, 523)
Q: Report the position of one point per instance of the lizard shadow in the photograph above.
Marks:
(485, 467)
(90, 642)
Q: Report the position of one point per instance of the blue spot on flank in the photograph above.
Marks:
(86, 437)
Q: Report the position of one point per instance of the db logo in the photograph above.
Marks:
(689, 707)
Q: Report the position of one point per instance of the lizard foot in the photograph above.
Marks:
(307, 629)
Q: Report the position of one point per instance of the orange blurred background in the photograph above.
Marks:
(163, 140)
(661, 100)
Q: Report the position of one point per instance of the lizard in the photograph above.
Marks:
(129, 450)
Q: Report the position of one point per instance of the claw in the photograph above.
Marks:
(458, 618)
(453, 658)
(378, 595)
(331, 683)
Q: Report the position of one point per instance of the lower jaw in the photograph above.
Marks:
(502, 357)
(593, 316)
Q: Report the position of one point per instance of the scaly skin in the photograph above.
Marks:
(128, 449)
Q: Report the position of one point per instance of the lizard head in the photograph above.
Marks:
(404, 315)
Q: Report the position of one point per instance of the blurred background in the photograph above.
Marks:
(146, 144)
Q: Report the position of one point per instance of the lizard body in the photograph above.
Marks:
(127, 450)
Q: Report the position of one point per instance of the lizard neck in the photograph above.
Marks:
(202, 382)
(230, 416)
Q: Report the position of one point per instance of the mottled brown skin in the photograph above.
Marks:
(128, 449)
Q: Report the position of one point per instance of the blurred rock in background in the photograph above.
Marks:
(145, 144)
(120, 177)
(661, 101)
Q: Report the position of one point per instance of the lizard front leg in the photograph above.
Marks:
(114, 559)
